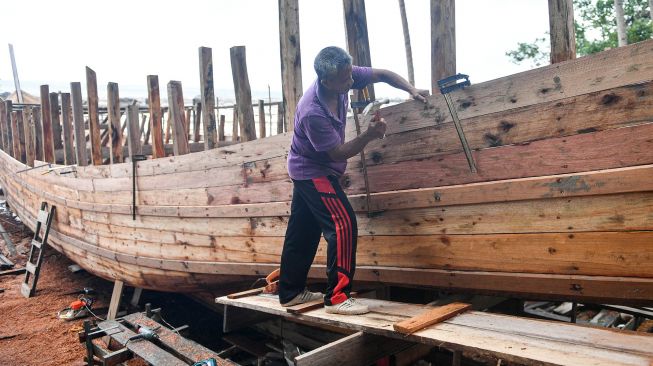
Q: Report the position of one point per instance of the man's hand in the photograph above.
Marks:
(376, 128)
(419, 94)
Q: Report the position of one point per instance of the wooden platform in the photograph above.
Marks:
(527, 341)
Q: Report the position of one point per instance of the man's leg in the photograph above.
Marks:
(299, 247)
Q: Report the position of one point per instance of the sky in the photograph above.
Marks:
(124, 41)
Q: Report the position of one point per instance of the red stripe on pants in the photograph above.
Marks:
(348, 233)
(339, 231)
(323, 185)
(339, 296)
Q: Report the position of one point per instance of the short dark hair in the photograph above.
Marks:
(329, 61)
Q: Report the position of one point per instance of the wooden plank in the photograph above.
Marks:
(234, 124)
(93, 117)
(357, 349)
(561, 29)
(20, 129)
(307, 306)
(291, 61)
(208, 98)
(15, 271)
(358, 43)
(261, 118)
(29, 135)
(252, 292)
(9, 135)
(3, 126)
(243, 94)
(66, 121)
(56, 121)
(197, 118)
(178, 119)
(430, 317)
(38, 133)
(409, 52)
(15, 136)
(78, 124)
(115, 131)
(154, 105)
(134, 136)
(525, 341)
(443, 41)
(46, 120)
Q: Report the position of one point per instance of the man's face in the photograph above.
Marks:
(341, 82)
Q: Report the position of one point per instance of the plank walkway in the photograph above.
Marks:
(516, 339)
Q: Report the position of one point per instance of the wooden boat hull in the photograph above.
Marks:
(562, 205)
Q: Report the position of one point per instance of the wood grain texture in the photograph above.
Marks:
(3, 126)
(67, 129)
(154, 105)
(134, 135)
(46, 123)
(291, 60)
(178, 118)
(93, 117)
(208, 98)
(561, 29)
(243, 94)
(28, 121)
(115, 126)
(55, 117)
(358, 43)
(443, 41)
(430, 317)
(79, 127)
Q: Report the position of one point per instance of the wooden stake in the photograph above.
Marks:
(243, 93)
(78, 124)
(221, 128)
(10, 141)
(235, 129)
(261, 117)
(176, 110)
(134, 135)
(291, 61)
(188, 120)
(66, 111)
(197, 118)
(19, 136)
(3, 126)
(46, 118)
(561, 27)
(38, 133)
(115, 128)
(280, 120)
(29, 135)
(443, 41)
(358, 43)
(208, 98)
(156, 129)
(93, 117)
(55, 117)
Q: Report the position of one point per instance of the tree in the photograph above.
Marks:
(596, 30)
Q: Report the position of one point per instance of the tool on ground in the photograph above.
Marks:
(135, 159)
(79, 308)
(370, 108)
(448, 85)
(271, 286)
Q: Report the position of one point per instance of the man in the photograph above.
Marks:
(318, 157)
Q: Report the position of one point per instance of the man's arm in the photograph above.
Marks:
(391, 78)
(376, 130)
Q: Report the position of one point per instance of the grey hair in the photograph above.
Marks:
(329, 61)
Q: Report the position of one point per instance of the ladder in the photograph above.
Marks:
(32, 268)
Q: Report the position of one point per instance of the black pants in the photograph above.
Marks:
(319, 207)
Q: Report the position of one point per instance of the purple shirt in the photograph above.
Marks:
(318, 131)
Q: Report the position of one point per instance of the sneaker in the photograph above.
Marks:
(304, 296)
(347, 307)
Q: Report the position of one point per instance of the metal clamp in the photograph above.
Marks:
(448, 85)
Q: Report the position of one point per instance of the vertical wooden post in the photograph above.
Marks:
(56, 121)
(188, 120)
(291, 60)
(93, 117)
(280, 120)
(221, 128)
(148, 128)
(115, 129)
(78, 124)
(9, 107)
(197, 119)
(168, 124)
(38, 133)
(154, 103)
(235, 129)
(358, 43)
(133, 132)
(243, 94)
(409, 51)
(443, 41)
(18, 135)
(29, 135)
(208, 97)
(3, 126)
(261, 117)
(69, 157)
(176, 109)
(561, 27)
(46, 118)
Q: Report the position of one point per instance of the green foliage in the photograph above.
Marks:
(596, 30)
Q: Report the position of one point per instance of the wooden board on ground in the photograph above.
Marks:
(434, 316)
(514, 339)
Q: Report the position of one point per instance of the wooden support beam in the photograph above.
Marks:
(134, 135)
(443, 41)
(197, 118)
(357, 349)
(56, 121)
(177, 120)
(281, 128)
(234, 125)
(93, 117)
(78, 124)
(3, 126)
(148, 128)
(208, 98)
(116, 295)
(115, 131)
(221, 128)
(261, 118)
(561, 28)
(434, 316)
(154, 104)
(9, 107)
(29, 135)
(46, 119)
(20, 125)
(16, 135)
(188, 120)
(67, 127)
(38, 133)
(243, 94)
(291, 58)
(358, 43)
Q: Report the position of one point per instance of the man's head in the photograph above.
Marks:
(333, 68)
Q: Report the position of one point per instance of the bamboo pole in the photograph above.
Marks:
(93, 117)
(176, 109)
(291, 60)
(78, 124)
(208, 97)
